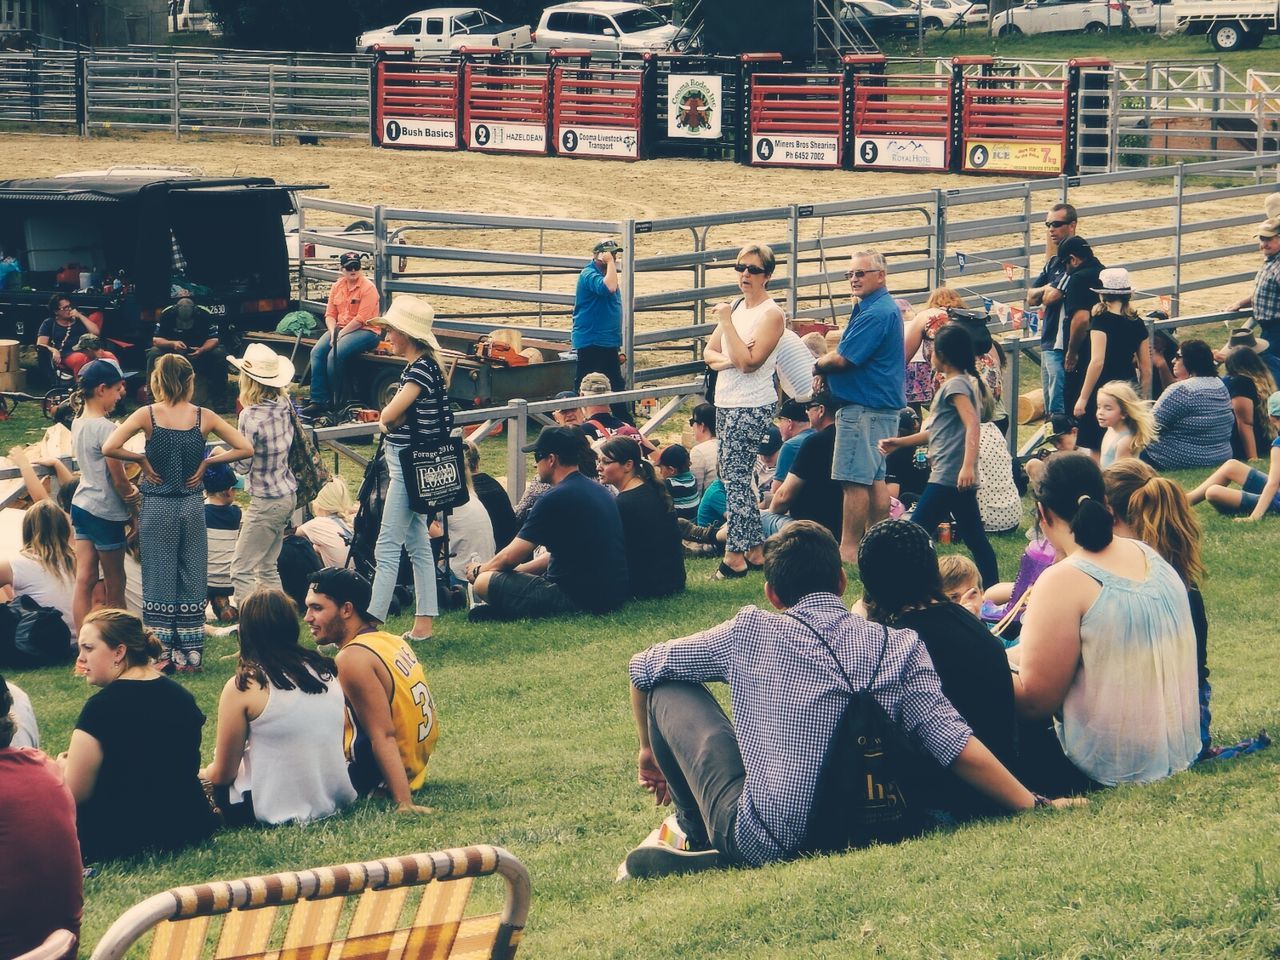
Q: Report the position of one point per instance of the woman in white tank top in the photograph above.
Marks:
(279, 755)
(743, 350)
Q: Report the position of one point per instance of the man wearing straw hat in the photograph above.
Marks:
(1265, 298)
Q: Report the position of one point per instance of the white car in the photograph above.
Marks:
(937, 14)
(606, 27)
(443, 31)
(1063, 16)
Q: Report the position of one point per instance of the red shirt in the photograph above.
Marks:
(41, 885)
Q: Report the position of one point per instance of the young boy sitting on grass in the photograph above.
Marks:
(961, 582)
(673, 466)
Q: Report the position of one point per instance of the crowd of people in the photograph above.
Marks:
(1104, 680)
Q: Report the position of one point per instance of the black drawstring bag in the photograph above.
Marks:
(33, 636)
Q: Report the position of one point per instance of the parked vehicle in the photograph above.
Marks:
(194, 16)
(125, 242)
(608, 28)
(879, 19)
(1229, 24)
(1062, 16)
(444, 30)
(937, 14)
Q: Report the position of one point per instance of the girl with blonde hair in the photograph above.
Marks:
(171, 522)
(1127, 418)
(45, 568)
(330, 530)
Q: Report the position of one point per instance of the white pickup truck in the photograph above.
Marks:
(1230, 24)
(443, 31)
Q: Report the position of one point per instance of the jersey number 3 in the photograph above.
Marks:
(422, 697)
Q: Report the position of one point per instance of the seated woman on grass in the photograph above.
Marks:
(1107, 652)
(279, 751)
(1259, 492)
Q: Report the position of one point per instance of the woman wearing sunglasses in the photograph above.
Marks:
(742, 349)
(353, 302)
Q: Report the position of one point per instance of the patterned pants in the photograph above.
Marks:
(740, 430)
(174, 574)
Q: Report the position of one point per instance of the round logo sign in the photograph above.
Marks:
(868, 152)
(764, 149)
(569, 140)
(393, 130)
(978, 156)
(482, 135)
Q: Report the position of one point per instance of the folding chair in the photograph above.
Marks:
(254, 924)
(59, 945)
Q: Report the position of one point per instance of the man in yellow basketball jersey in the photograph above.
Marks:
(391, 718)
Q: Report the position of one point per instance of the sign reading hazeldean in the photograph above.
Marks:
(795, 151)
(900, 153)
(432, 134)
(1011, 156)
(508, 137)
(694, 106)
(597, 142)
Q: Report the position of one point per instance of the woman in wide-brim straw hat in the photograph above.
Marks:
(421, 400)
(1116, 336)
(266, 420)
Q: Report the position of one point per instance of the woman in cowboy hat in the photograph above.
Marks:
(1117, 336)
(266, 420)
(419, 413)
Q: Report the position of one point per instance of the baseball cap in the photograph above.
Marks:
(566, 395)
(343, 586)
(348, 259)
(566, 443)
(827, 399)
(594, 384)
(793, 410)
(771, 442)
(96, 373)
(1075, 247)
(1268, 229)
(1273, 404)
(89, 341)
(607, 244)
(218, 477)
(1059, 425)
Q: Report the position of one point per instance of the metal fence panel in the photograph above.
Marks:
(39, 89)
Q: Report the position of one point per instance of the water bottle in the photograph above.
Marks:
(921, 457)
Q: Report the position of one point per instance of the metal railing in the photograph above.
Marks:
(40, 89)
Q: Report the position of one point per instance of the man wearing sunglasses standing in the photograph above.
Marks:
(1060, 223)
(353, 302)
(866, 374)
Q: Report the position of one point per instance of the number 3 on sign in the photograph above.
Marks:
(422, 697)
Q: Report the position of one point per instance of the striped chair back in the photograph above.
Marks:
(348, 912)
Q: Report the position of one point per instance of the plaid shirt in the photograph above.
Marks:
(1266, 293)
(269, 428)
(788, 697)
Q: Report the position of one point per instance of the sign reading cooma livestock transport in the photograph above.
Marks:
(694, 106)
(437, 134)
(597, 142)
(795, 150)
(900, 153)
(1012, 156)
(508, 137)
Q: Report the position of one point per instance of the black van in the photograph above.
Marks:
(127, 245)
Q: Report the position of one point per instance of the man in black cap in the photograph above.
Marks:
(808, 492)
(597, 316)
(1060, 223)
(577, 520)
(192, 331)
(1078, 301)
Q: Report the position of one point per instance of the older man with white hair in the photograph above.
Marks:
(866, 373)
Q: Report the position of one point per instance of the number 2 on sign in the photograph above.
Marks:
(422, 697)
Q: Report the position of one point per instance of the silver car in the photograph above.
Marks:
(607, 28)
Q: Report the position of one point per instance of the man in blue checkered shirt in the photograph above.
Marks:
(743, 791)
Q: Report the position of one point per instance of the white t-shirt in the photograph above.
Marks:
(28, 732)
(755, 389)
(704, 463)
(470, 533)
(34, 581)
(331, 536)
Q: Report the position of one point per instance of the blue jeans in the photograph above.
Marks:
(401, 527)
(1053, 377)
(327, 364)
(934, 506)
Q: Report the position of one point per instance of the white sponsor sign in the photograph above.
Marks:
(597, 142)
(908, 153)
(694, 106)
(509, 137)
(420, 133)
(793, 150)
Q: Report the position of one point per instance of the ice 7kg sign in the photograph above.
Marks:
(694, 106)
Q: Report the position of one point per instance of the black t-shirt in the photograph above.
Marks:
(1244, 387)
(63, 339)
(821, 499)
(900, 467)
(431, 416)
(655, 556)
(578, 522)
(193, 331)
(974, 671)
(607, 420)
(147, 795)
(498, 505)
(1077, 294)
(1124, 336)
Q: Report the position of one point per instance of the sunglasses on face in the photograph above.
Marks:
(1055, 224)
(859, 274)
(351, 267)
(749, 268)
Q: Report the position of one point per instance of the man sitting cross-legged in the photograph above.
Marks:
(744, 790)
(391, 717)
(585, 566)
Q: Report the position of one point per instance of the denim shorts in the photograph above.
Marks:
(1252, 489)
(103, 534)
(859, 430)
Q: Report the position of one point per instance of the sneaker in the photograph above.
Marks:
(665, 852)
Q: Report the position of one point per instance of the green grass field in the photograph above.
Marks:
(537, 755)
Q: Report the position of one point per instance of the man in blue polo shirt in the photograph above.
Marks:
(597, 315)
(867, 374)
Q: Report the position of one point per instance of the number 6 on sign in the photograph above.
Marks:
(422, 698)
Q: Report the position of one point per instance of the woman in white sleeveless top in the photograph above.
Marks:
(1108, 649)
(743, 350)
(279, 754)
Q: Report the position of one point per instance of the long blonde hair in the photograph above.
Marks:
(1157, 510)
(1136, 412)
(172, 380)
(46, 539)
(1243, 362)
(252, 392)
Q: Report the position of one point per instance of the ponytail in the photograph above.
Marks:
(650, 476)
(1158, 512)
(76, 402)
(622, 449)
(1071, 489)
(1092, 525)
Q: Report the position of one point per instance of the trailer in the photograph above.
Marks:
(1229, 24)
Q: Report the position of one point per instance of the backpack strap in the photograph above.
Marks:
(884, 646)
